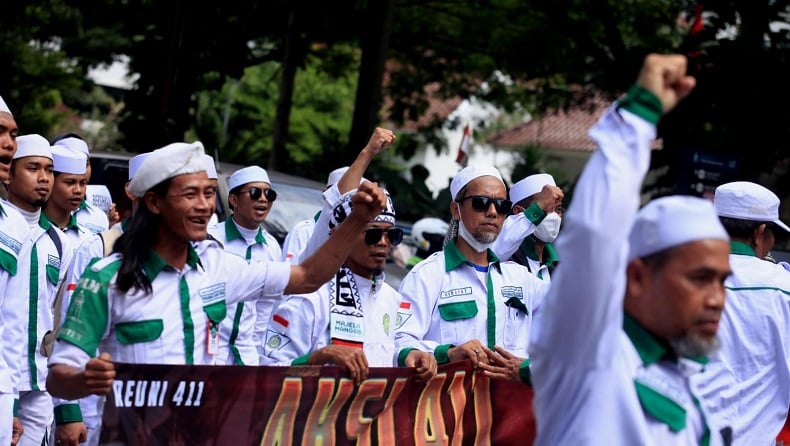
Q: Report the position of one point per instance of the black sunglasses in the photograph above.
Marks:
(373, 235)
(481, 203)
(256, 192)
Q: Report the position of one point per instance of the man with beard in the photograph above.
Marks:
(749, 380)
(635, 306)
(251, 198)
(462, 302)
(350, 321)
(41, 272)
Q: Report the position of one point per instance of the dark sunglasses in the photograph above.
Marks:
(256, 192)
(481, 203)
(373, 235)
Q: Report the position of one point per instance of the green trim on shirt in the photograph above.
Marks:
(88, 314)
(189, 325)
(234, 334)
(661, 407)
(535, 214)
(32, 319)
(154, 264)
(8, 262)
(550, 256)
(43, 222)
(453, 258)
(491, 316)
(2, 211)
(650, 349)
(16, 407)
(83, 205)
(440, 353)
(302, 360)
(67, 413)
(643, 103)
(402, 356)
(524, 373)
(743, 249)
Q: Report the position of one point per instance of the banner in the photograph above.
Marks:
(236, 405)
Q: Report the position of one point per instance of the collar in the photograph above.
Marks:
(743, 249)
(83, 205)
(550, 256)
(2, 211)
(155, 264)
(232, 232)
(44, 222)
(453, 258)
(72, 224)
(650, 349)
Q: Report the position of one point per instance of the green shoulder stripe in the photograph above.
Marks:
(88, 314)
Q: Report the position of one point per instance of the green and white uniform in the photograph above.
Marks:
(92, 218)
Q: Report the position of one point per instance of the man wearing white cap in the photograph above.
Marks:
(749, 382)
(250, 197)
(296, 239)
(462, 302)
(156, 261)
(350, 321)
(88, 216)
(44, 269)
(68, 193)
(633, 310)
(527, 235)
(8, 133)
(14, 245)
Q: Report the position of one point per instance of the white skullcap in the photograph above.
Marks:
(469, 173)
(66, 160)
(671, 221)
(747, 201)
(530, 186)
(344, 206)
(75, 144)
(4, 107)
(171, 160)
(98, 196)
(32, 145)
(211, 168)
(136, 162)
(251, 174)
(335, 175)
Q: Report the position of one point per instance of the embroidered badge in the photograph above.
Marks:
(456, 292)
(274, 341)
(213, 293)
(13, 244)
(404, 313)
(513, 291)
(53, 261)
(385, 321)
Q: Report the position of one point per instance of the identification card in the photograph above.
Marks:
(212, 338)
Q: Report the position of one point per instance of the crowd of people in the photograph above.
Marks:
(656, 324)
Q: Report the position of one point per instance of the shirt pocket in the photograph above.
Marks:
(142, 340)
(517, 330)
(457, 324)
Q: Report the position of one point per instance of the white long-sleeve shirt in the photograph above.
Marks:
(14, 245)
(447, 301)
(595, 382)
(300, 325)
(242, 331)
(748, 381)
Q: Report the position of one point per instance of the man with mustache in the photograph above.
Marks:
(251, 198)
(633, 311)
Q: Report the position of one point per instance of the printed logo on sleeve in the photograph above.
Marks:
(404, 313)
(274, 341)
(455, 292)
(13, 244)
(213, 293)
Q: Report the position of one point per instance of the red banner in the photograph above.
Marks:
(191, 405)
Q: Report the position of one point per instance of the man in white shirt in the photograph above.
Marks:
(68, 192)
(462, 302)
(251, 197)
(156, 262)
(350, 321)
(748, 381)
(603, 377)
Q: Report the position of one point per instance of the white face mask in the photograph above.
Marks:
(469, 238)
(548, 229)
